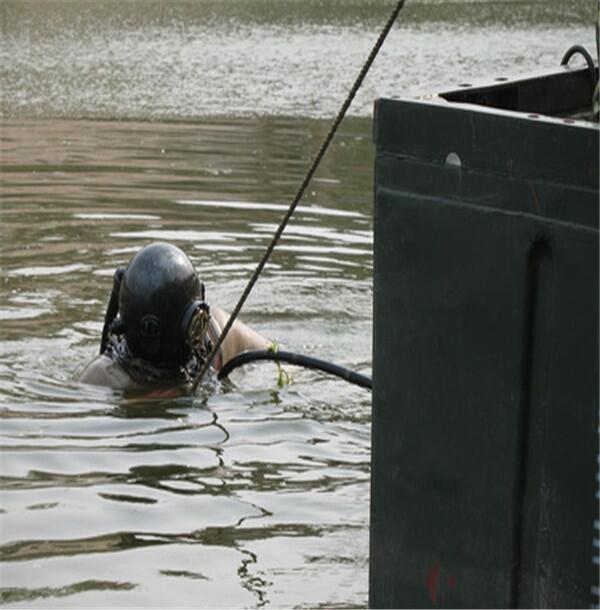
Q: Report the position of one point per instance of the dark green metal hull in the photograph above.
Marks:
(485, 352)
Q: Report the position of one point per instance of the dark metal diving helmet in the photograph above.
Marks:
(161, 305)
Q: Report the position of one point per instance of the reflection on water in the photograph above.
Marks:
(245, 495)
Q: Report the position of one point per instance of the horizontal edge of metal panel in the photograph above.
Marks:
(569, 204)
(506, 142)
(561, 93)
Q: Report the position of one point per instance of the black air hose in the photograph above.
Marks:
(307, 362)
(112, 309)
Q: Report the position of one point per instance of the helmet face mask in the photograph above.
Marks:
(194, 326)
(162, 311)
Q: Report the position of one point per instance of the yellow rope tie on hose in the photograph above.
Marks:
(283, 377)
(307, 178)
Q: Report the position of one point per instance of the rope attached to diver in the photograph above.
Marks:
(307, 362)
(336, 123)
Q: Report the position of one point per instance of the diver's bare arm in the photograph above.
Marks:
(240, 338)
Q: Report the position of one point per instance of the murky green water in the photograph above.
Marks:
(245, 495)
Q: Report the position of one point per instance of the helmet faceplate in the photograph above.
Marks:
(158, 286)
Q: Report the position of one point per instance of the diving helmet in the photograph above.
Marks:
(161, 305)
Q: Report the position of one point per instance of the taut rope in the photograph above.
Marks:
(301, 189)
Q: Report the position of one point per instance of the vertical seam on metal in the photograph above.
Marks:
(539, 252)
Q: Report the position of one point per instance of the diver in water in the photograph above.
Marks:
(159, 328)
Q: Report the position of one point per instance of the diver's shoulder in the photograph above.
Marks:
(241, 338)
(106, 372)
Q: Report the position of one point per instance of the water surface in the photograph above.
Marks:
(246, 494)
(156, 59)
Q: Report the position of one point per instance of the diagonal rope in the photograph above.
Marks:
(307, 178)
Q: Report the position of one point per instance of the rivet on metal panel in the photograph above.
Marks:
(453, 159)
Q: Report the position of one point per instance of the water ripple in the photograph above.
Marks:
(10, 595)
(27, 550)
